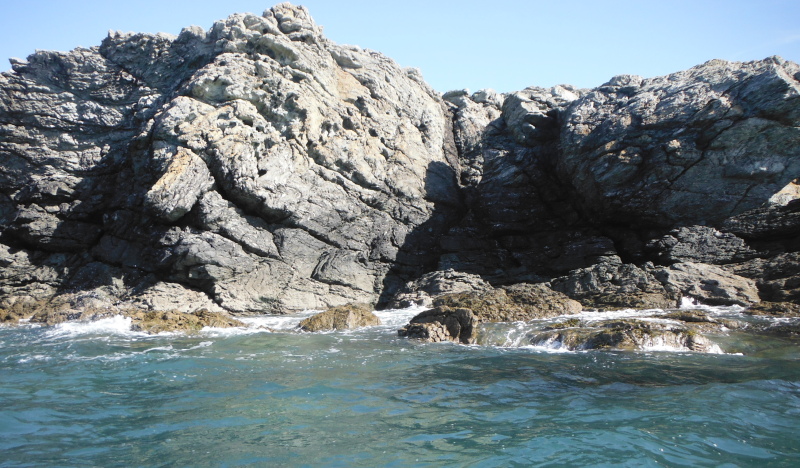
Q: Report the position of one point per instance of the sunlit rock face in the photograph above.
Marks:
(256, 162)
(258, 167)
(694, 147)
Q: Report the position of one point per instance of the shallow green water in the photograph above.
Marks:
(99, 396)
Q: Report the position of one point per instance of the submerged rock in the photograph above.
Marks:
(344, 317)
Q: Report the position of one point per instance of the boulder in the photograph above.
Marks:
(442, 324)
(344, 317)
(709, 284)
(614, 285)
(455, 316)
(429, 286)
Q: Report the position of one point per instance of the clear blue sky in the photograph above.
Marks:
(500, 44)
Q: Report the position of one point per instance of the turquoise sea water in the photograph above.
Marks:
(99, 395)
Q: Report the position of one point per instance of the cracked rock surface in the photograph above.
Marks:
(258, 167)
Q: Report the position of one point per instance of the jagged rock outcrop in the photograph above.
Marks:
(692, 148)
(257, 167)
(701, 244)
(613, 285)
(709, 284)
(257, 163)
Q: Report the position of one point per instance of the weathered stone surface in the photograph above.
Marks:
(344, 317)
(701, 244)
(709, 284)
(692, 148)
(257, 167)
(262, 164)
(428, 287)
(613, 285)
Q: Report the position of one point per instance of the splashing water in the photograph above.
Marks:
(100, 395)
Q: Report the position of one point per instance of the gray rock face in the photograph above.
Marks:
(613, 285)
(692, 148)
(428, 287)
(709, 284)
(258, 167)
(257, 162)
(701, 244)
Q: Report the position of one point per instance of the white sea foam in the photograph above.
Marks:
(398, 317)
(612, 314)
(276, 322)
(34, 357)
(689, 303)
(117, 325)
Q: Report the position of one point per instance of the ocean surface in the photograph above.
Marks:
(100, 395)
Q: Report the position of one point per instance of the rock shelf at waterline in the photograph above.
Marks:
(689, 329)
(259, 168)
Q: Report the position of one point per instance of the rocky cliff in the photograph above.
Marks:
(257, 167)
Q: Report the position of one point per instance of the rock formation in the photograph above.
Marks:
(257, 164)
(257, 167)
(344, 317)
(627, 334)
(61, 310)
(455, 316)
